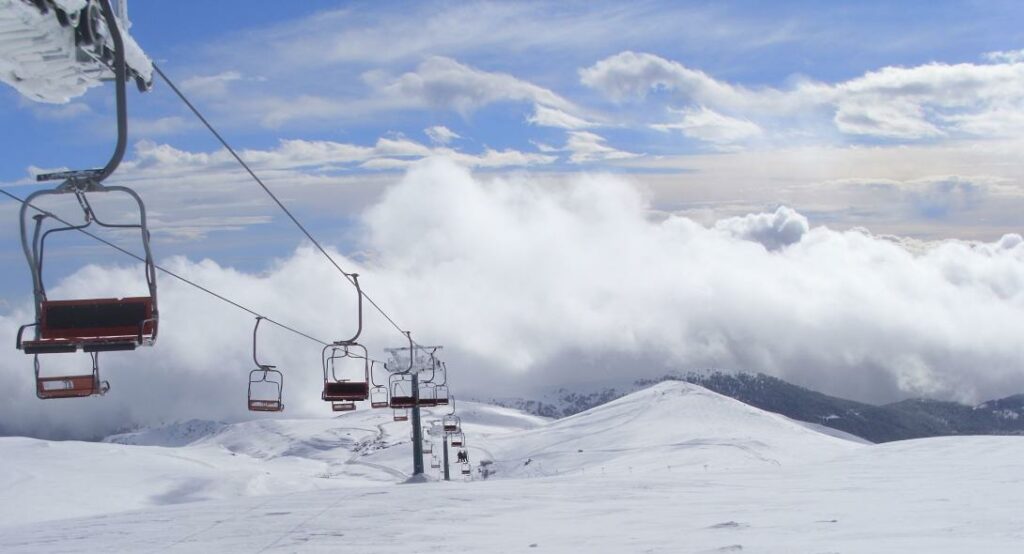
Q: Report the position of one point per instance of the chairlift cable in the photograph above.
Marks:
(166, 271)
(270, 193)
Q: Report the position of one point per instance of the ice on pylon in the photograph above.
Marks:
(54, 50)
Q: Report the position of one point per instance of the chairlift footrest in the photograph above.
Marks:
(76, 174)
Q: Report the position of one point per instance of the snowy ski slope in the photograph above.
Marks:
(674, 468)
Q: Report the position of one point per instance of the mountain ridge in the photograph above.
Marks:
(902, 420)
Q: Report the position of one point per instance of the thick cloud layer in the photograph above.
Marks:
(531, 285)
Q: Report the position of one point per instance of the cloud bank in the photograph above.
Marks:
(532, 285)
(934, 100)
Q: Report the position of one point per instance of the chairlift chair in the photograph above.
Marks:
(260, 401)
(466, 469)
(441, 395)
(458, 439)
(401, 391)
(268, 381)
(428, 446)
(379, 397)
(71, 386)
(428, 394)
(452, 424)
(435, 462)
(88, 324)
(441, 389)
(401, 415)
(340, 388)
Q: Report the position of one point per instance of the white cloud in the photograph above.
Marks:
(439, 134)
(628, 75)
(772, 230)
(1004, 56)
(585, 146)
(536, 284)
(437, 83)
(710, 126)
(440, 82)
(909, 103)
(937, 196)
(553, 117)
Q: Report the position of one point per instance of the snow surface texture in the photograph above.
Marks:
(674, 468)
(38, 56)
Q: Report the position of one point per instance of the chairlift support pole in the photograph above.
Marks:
(417, 430)
(447, 475)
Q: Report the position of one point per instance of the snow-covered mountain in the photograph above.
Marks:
(908, 419)
(673, 468)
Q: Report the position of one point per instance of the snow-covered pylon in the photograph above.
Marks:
(54, 50)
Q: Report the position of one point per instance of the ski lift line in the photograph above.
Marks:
(167, 271)
(270, 193)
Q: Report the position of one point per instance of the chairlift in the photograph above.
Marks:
(441, 395)
(88, 324)
(441, 389)
(428, 394)
(265, 383)
(341, 384)
(401, 391)
(462, 456)
(458, 439)
(428, 446)
(466, 469)
(452, 424)
(379, 397)
(343, 387)
(401, 414)
(71, 386)
(435, 463)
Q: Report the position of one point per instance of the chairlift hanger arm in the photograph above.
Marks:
(255, 360)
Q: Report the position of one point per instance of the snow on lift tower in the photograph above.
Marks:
(54, 50)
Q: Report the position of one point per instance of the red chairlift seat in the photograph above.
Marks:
(401, 415)
(345, 391)
(343, 406)
(94, 325)
(70, 386)
(458, 439)
(266, 406)
(402, 402)
(466, 469)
